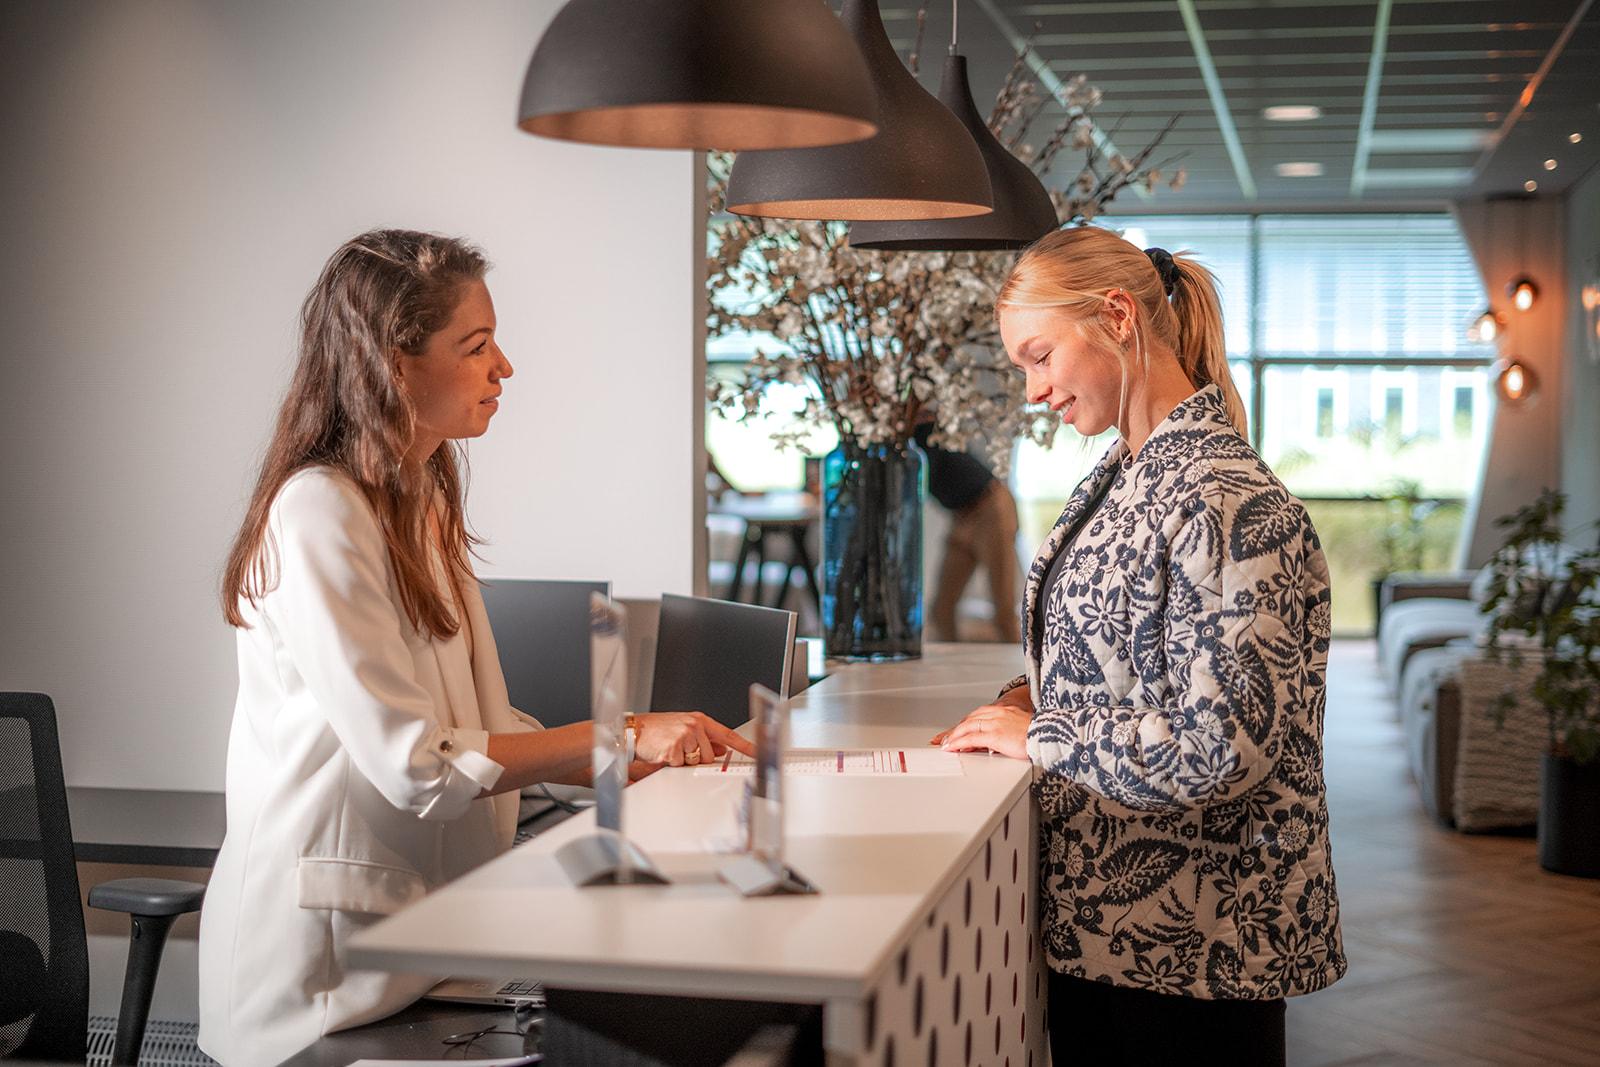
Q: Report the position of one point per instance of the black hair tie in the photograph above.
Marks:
(1162, 260)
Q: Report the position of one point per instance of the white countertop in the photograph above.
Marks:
(882, 850)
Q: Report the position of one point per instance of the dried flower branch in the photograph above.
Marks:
(881, 338)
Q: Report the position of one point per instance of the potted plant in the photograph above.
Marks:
(1549, 595)
(1402, 537)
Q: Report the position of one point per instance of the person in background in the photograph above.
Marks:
(1177, 623)
(983, 532)
(374, 754)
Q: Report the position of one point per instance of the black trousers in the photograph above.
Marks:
(1094, 1024)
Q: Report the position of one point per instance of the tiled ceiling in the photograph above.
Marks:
(1419, 98)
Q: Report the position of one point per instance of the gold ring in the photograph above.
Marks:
(692, 756)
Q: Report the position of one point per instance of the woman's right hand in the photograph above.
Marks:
(1019, 698)
(677, 738)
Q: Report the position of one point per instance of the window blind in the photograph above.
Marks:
(1221, 243)
(1366, 285)
(1350, 285)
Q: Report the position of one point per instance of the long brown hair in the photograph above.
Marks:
(1074, 269)
(382, 292)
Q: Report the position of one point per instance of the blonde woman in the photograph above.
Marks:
(374, 755)
(1175, 627)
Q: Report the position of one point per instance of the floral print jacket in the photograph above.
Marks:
(1177, 740)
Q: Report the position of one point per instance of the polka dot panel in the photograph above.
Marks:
(963, 991)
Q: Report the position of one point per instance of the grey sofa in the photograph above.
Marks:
(1429, 700)
(1421, 611)
(1473, 771)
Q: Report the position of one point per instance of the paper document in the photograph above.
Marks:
(510, 1061)
(850, 762)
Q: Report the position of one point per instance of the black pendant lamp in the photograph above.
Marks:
(922, 164)
(1022, 212)
(704, 74)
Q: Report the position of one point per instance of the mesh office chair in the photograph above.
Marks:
(709, 652)
(44, 954)
(541, 628)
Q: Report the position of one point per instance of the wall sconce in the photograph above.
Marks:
(1522, 292)
(1514, 380)
(1485, 328)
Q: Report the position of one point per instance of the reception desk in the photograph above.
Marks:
(920, 948)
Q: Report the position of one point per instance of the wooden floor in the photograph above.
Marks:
(1462, 951)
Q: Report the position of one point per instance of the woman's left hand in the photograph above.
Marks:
(1000, 728)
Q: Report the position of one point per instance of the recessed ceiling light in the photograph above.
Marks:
(1299, 170)
(1575, 138)
(1291, 112)
(1530, 185)
(1549, 164)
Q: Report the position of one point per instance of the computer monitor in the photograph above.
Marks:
(541, 628)
(709, 653)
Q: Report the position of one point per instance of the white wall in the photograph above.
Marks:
(1580, 424)
(1509, 238)
(176, 174)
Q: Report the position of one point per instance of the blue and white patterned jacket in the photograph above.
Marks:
(1177, 740)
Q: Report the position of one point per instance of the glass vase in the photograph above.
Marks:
(872, 551)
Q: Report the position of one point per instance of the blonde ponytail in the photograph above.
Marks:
(1073, 269)
(1202, 347)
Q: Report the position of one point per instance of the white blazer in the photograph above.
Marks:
(358, 749)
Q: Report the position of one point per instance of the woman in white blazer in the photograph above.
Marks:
(373, 754)
(1175, 629)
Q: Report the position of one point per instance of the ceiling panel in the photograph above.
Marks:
(1449, 81)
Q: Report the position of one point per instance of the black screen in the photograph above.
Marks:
(541, 629)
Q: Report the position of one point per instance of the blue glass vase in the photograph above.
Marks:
(872, 551)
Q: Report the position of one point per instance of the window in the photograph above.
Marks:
(1462, 403)
(744, 451)
(1393, 410)
(1347, 339)
(1327, 395)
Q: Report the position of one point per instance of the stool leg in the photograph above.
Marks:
(806, 565)
(761, 566)
(139, 985)
(783, 587)
(738, 567)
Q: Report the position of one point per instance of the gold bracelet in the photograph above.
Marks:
(630, 733)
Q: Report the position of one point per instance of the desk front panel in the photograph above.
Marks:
(891, 855)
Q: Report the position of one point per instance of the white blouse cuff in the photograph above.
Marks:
(470, 772)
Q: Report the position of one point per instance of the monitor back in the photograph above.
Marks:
(708, 652)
